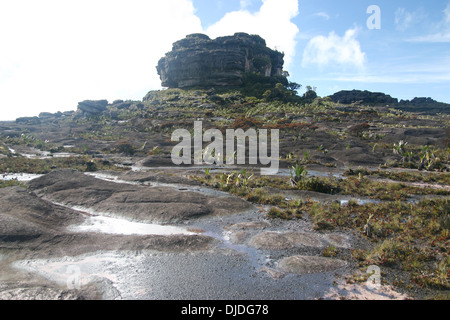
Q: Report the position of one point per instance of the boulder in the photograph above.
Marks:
(28, 120)
(198, 61)
(46, 115)
(92, 107)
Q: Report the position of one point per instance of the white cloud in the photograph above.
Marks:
(56, 53)
(403, 19)
(272, 22)
(422, 72)
(447, 14)
(335, 51)
(441, 32)
(323, 15)
(245, 3)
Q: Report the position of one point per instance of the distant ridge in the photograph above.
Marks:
(421, 105)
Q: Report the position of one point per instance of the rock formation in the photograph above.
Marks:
(198, 61)
(92, 107)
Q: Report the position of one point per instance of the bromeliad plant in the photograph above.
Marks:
(297, 174)
(400, 149)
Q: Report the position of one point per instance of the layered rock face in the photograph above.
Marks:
(92, 107)
(198, 61)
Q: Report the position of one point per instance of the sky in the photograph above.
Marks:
(56, 53)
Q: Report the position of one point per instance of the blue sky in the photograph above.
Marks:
(55, 53)
(408, 56)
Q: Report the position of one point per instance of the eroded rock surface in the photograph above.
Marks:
(199, 61)
(300, 264)
(271, 240)
(142, 203)
(92, 107)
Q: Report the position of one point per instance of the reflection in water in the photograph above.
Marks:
(111, 225)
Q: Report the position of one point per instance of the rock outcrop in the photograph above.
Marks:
(198, 61)
(92, 107)
(140, 203)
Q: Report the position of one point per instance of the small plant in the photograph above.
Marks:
(374, 146)
(155, 151)
(91, 166)
(322, 149)
(297, 173)
(318, 184)
(305, 155)
(229, 179)
(11, 183)
(330, 251)
(400, 149)
(359, 254)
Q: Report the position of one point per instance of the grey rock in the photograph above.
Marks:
(198, 61)
(46, 115)
(141, 203)
(37, 293)
(24, 216)
(299, 264)
(280, 241)
(92, 107)
(28, 120)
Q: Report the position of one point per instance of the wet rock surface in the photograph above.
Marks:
(278, 241)
(26, 216)
(232, 251)
(155, 204)
(309, 264)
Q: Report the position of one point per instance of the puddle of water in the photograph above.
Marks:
(154, 276)
(174, 167)
(110, 178)
(19, 176)
(103, 224)
(80, 270)
(64, 155)
(179, 187)
(38, 155)
(360, 202)
(34, 153)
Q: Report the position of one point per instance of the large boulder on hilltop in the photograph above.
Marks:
(92, 107)
(198, 61)
(28, 120)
